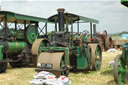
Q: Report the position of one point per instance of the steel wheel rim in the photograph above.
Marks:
(110, 43)
(98, 58)
(120, 74)
(95, 61)
(36, 49)
(120, 71)
(105, 33)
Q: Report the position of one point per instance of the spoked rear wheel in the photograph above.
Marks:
(96, 56)
(108, 43)
(120, 75)
(88, 52)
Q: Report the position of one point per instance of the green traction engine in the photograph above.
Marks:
(121, 62)
(67, 50)
(16, 39)
(121, 67)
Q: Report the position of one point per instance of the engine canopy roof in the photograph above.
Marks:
(20, 18)
(72, 18)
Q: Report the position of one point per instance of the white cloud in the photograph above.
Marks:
(111, 14)
(59, 0)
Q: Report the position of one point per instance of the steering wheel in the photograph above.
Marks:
(85, 31)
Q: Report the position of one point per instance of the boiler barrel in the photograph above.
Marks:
(16, 47)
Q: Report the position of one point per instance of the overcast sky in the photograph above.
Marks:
(111, 14)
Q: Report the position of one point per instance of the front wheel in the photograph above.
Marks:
(120, 75)
(3, 67)
(88, 52)
(96, 57)
(108, 43)
(65, 69)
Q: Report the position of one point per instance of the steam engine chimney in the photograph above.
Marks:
(61, 19)
(94, 29)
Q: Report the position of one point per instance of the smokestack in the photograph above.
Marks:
(61, 19)
(94, 29)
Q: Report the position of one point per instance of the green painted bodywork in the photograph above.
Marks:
(15, 47)
(122, 72)
(81, 58)
(85, 37)
(124, 2)
(18, 34)
(1, 52)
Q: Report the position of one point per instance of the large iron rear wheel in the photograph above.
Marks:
(105, 34)
(36, 49)
(3, 67)
(89, 58)
(108, 43)
(120, 75)
(96, 57)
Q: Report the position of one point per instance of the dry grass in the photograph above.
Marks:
(22, 76)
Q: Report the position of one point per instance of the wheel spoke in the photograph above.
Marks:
(97, 59)
(121, 79)
(98, 64)
(120, 69)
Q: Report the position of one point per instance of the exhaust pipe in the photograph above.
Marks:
(61, 19)
(94, 29)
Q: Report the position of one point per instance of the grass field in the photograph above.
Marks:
(22, 76)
